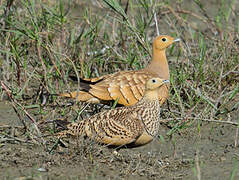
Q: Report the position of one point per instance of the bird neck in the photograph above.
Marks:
(151, 95)
(159, 64)
(150, 104)
(150, 98)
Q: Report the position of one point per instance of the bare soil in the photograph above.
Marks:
(205, 147)
(199, 150)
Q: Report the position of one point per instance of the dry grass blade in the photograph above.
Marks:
(45, 43)
(197, 163)
(156, 24)
(118, 9)
(14, 103)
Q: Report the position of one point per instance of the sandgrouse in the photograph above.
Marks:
(128, 86)
(129, 126)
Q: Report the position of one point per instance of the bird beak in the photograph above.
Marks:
(176, 40)
(166, 81)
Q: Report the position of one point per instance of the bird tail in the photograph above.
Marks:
(61, 124)
(62, 129)
(68, 128)
(78, 95)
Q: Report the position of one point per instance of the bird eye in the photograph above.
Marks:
(154, 81)
(164, 39)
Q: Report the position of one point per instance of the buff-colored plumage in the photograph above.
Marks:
(128, 86)
(132, 126)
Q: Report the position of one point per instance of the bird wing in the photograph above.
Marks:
(127, 87)
(114, 127)
(96, 79)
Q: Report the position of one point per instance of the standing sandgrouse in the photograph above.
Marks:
(130, 126)
(128, 86)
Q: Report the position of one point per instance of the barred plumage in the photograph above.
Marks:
(134, 125)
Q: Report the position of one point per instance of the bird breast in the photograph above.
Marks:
(149, 114)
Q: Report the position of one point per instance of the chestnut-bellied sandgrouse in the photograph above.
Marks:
(129, 126)
(128, 86)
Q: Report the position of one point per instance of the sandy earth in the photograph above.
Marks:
(204, 150)
(208, 148)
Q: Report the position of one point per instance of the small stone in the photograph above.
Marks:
(42, 169)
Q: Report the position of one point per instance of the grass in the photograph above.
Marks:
(42, 43)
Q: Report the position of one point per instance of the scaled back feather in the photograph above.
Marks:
(128, 86)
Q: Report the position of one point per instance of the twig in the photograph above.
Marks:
(231, 71)
(11, 126)
(27, 114)
(236, 138)
(180, 19)
(218, 121)
(38, 47)
(203, 96)
(6, 13)
(15, 139)
(197, 165)
(193, 118)
(156, 23)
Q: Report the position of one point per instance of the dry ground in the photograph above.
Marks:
(42, 43)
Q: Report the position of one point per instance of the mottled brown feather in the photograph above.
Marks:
(128, 86)
(134, 125)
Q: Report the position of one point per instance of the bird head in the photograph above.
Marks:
(163, 41)
(155, 83)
